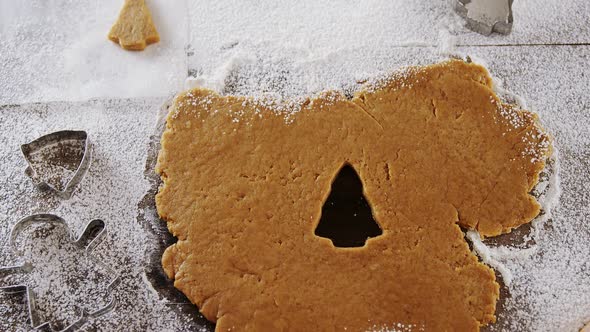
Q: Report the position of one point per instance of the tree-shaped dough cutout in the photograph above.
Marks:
(134, 29)
(347, 218)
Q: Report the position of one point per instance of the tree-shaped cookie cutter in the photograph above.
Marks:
(66, 150)
(91, 236)
(486, 16)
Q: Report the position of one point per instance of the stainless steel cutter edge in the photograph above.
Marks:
(88, 240)
(78, 174)
(500, 26)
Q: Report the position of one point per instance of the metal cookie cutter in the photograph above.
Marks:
(58, 161)
(87, 241)
(486, 16)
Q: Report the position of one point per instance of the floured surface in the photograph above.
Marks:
(300, 48)
(421, 144)
(59, 51)
(111, 189)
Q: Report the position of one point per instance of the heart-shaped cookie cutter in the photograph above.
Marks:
(64, 151)
(486, 16)
(91, 236)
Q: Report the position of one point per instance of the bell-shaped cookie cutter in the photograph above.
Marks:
(91, 236)
(486, 16)
(80, 154)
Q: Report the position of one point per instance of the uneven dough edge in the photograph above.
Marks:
(479, 74)
(172, 261)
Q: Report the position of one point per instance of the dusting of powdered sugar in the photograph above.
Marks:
(58, 51)
(63, 279)
(396, 327)
(547, 270)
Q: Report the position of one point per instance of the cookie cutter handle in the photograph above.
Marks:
(92, 234)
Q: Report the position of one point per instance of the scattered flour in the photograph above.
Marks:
(120, 131)
(58, 50)
(551, 278)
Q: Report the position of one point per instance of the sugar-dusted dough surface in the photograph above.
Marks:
(435, 149)
(134, 29)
